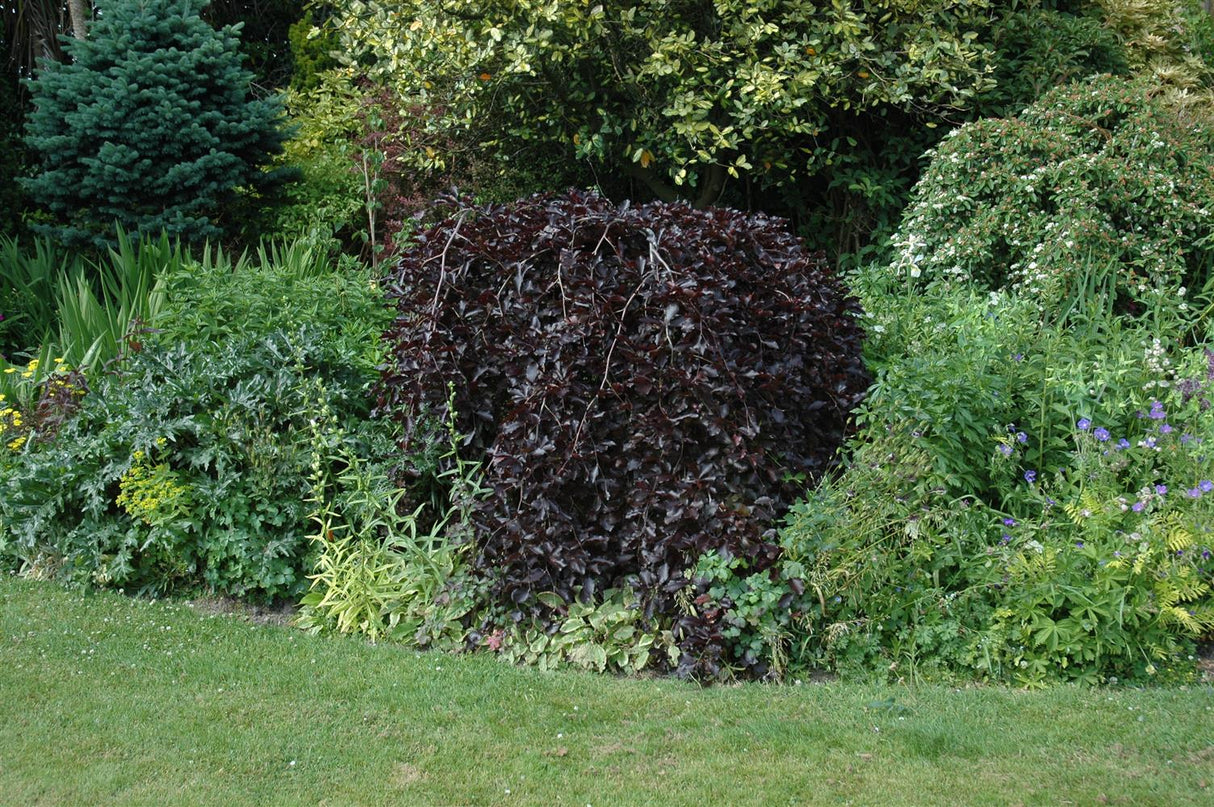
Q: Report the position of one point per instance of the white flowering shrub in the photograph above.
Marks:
(1096, 176)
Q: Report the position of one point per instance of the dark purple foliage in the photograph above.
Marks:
(643, 383)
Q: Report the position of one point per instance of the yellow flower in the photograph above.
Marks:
(15, 445)
(10, 370)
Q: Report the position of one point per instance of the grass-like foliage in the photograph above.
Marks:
(102, 308)
(642, 384)
(138, 700)
(28, 285)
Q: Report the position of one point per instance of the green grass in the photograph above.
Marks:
(108, 700)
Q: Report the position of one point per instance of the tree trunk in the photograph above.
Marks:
(657, 186)
(711, 184)
(78, 10)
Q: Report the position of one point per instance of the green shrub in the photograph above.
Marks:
(151, 125)
(279, 288)
(191, 463)
(1025, 501)
(1038, 49)
(1096, 178)
(328, 199)
(186, 468)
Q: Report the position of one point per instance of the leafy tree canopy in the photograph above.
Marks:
(679, 94)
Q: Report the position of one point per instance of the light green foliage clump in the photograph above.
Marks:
(385, 571)
(311, 52)
(607, 634)
(150, 124)
(328, 118)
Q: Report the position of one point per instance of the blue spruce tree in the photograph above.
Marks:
(151, 126)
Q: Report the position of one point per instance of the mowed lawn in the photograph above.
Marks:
(106, 700)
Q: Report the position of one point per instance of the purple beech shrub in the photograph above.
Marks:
(643, 385)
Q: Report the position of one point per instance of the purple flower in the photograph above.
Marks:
(1123, 443)
(1162, 490)
(1149, 442)
(1137, 507)
(1015, 356)
(1165, 429)
(1079, 544)
(1157, 412)
(1084, 424)
(1005, 539)
(1185, 438)
(1030, 476)
(1194, 493)
(1009, 522)
(1021, 437)
(1005, 449)
(1101, 434)
(1206, 485)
